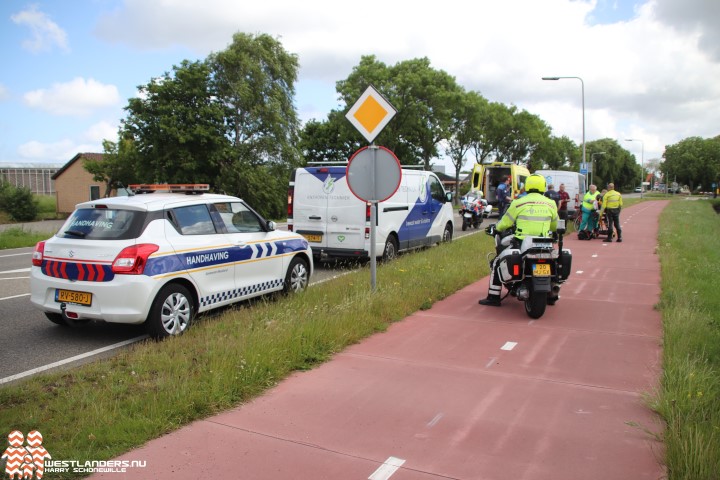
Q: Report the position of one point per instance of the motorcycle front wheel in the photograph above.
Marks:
(535, 304)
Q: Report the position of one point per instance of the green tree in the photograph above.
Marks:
(177, 127)
(557, 153)
(616, 165)
(18, 202)
(423, 97)
(118, 166)
(694, 161)
(465, 116)
(490, 131)
(253, 80)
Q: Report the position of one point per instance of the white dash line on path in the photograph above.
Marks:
(579, 272)
(491, 362)
(386, 470)
(594, 255)
(435, 420)
(508, 346)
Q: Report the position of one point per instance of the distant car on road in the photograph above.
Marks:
(638, 189)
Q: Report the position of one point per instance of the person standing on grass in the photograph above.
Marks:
(612, 203)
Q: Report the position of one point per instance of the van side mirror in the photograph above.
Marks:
(448, 197)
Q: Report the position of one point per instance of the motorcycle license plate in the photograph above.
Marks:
(71, 296)
(541, 270)
(468, 215)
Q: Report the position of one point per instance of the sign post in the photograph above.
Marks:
(373, 173)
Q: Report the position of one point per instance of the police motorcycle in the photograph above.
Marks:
(473, 211)
(532, 270)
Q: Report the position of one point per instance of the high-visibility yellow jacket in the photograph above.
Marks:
(612, 199)
(533, 214)
(589, 199)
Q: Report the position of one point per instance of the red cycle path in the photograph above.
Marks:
(464, 391)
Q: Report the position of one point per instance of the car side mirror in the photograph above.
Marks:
(448, 196)
(271, 226)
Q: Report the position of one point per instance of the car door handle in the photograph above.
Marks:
(314, 217)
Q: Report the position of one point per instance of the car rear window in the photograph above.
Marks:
(103, 224)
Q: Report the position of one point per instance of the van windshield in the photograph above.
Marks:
(103, 224)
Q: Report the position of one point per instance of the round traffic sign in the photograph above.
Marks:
(373, 174)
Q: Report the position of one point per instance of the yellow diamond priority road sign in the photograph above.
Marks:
(370, 114)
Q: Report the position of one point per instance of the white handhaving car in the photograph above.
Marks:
(162, 258)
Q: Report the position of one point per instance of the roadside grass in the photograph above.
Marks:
(18, 238)
(100, 410)
(689, 395)
(46, 207)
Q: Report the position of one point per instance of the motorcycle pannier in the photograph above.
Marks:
(511, 266)
(565, 264)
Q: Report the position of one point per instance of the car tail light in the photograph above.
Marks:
(38, 254)
(132, 260)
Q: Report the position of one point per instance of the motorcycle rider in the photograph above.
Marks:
(534, 215)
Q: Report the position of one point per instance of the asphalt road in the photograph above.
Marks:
(29, 341)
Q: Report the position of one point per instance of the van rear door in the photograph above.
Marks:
(325, 211)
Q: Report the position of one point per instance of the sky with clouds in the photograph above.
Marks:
(650, 68)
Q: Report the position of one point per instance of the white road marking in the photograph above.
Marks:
(491, 362)
(579, 272)
(435, 420)
(508, 346)
(71, 359)
(386, 470)
(594, 255)
(15, 278)
(15, 296)
(19, 270)
(16, 254)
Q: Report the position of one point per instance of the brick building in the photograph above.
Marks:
(74, 184)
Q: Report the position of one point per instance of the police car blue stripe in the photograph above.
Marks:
(216, 257)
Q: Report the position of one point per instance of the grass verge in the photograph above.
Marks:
(689, 396)
(18, 238)
(100, 410)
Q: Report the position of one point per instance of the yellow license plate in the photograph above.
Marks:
(541, 270)
(71, 296)
(313, 238)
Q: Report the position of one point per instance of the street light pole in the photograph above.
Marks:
(582, 86)
(592, 161)
(642, 163)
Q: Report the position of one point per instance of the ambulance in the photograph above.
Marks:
(485, 178)
(322, 209)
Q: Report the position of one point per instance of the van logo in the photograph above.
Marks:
(334, 218)
(423, 190)
(329, 185)
(341, 238)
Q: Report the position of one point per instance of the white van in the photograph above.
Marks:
(322, 208)
(574, 186)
